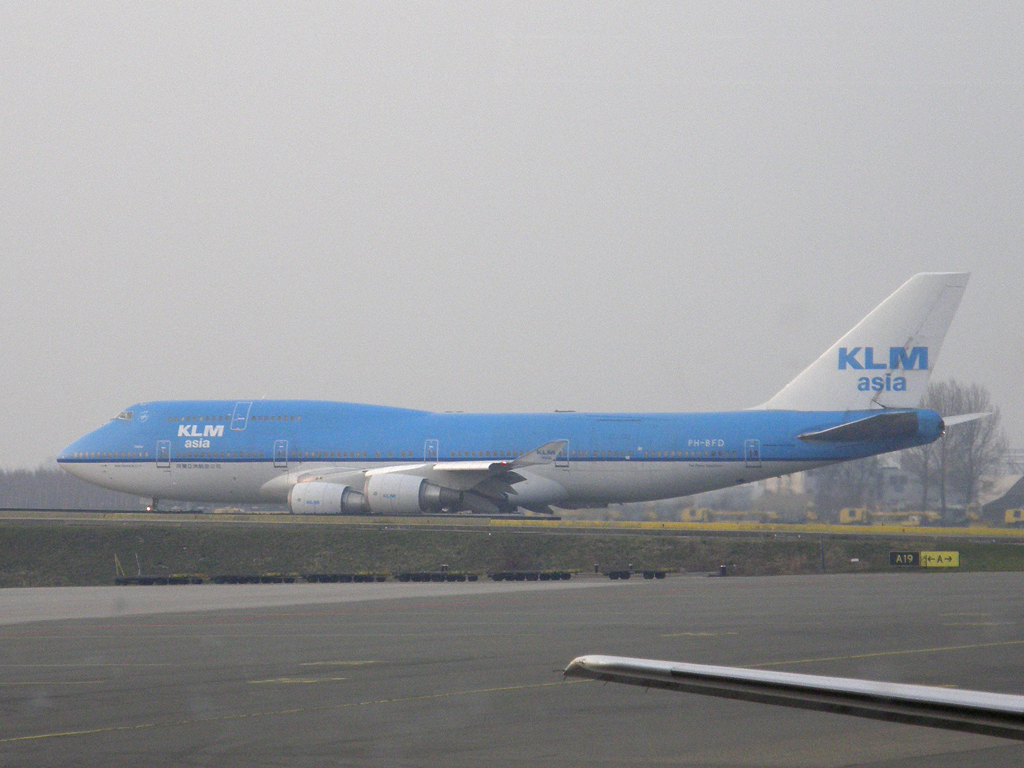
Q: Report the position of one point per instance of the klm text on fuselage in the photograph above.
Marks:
(201, 438)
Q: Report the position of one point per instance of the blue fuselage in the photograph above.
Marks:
(252, 451)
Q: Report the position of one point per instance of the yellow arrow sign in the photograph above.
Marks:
(940, 559)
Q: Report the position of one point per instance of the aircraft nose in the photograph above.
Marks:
(72, 459)
(67, 454)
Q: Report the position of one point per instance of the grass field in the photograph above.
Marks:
(57, 553)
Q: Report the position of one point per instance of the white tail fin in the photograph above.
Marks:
(886, 360)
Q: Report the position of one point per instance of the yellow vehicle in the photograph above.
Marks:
(1014, 516)
(853, 516)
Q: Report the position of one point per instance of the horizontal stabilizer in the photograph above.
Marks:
(884, 426)
(952, 421)
(992, 714)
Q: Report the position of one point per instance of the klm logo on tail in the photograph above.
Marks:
(863, 359)
(917, 358)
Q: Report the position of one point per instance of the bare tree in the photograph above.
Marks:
(923, 463)
(53, 488)
(966, 452)
(975, 448)
(850, 484)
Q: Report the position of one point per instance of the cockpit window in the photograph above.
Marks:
(125, 415)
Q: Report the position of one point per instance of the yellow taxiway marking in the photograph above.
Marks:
(979, 624)
(890, 653)
(300, 680)
(950, 615)
(699, 634)
(335, 663)
(279, 712)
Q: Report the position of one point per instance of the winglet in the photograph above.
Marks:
(546, 454)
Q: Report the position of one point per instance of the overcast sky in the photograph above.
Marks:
(493, 207)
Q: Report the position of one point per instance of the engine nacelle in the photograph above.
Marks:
(392, 493)
(325, 499)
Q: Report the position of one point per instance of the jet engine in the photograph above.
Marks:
(325, 499)
(392, 493)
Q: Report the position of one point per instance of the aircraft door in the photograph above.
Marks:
(281, 454)
(752, 453)
(240, 417)
(430, 450)
(163, 454)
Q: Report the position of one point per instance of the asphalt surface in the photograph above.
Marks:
(470, 674)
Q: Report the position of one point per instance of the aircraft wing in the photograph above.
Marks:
(471, 471)
(485, 486)
(991, 714)
(545, 454)
(466, 475)
(343, 475)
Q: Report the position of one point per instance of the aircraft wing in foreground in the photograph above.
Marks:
(991, 714)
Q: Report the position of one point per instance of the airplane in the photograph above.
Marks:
(860, 398)
(991, 714)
